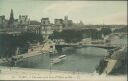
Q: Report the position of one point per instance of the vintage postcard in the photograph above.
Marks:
(63, 40)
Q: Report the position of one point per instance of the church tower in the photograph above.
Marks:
(11, 19)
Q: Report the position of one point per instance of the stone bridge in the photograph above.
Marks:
(104, 46)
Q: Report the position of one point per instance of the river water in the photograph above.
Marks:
(77, 59)
(83, 59)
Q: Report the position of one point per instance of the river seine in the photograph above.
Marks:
(77, 59)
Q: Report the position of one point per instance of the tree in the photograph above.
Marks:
(67, 35)
(92, 33)
(9, 43)
(106, 31)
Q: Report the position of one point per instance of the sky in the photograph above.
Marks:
(90, 12)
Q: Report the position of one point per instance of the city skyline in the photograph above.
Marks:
(90, 12)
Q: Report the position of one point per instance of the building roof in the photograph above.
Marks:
(45, 19)
(34, 22)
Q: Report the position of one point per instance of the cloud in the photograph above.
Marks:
(58, 9)
(90, 12)
(116, 18)
(64, 7)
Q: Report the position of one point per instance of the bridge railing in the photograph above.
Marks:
(102, 45)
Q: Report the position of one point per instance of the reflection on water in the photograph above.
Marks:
(83, 60)
(77, 59)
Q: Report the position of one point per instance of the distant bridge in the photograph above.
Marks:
(98, 27)
(60, 46)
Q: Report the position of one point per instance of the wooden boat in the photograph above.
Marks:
(58, 59)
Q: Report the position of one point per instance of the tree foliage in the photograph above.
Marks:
(9, 43)
(67, 35)
(106, 31)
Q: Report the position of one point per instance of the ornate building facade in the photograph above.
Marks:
(46, 27)
(58, 24)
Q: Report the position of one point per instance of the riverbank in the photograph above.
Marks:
(16, 73)
(114, 63)
(35, 50)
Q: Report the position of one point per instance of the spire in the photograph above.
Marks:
(81, 23)
(11, 19)
(66, 18)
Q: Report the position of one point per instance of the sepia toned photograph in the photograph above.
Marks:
(63, 40)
